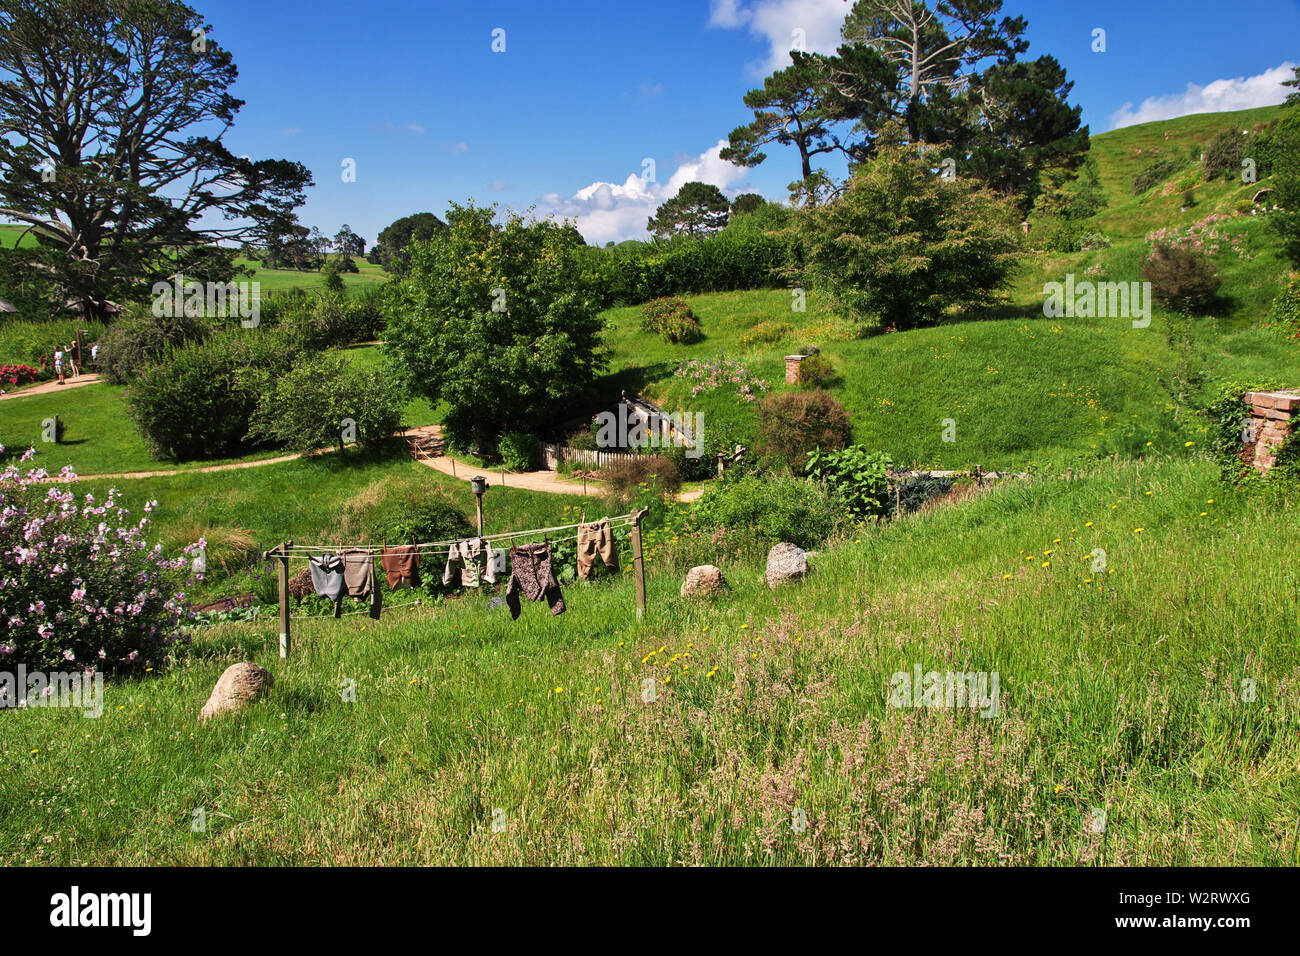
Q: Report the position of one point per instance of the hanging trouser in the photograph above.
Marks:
(402, 566)
(359, 576)
(327, 576)
(531, 573)
(596, 538)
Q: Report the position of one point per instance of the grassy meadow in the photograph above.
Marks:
(1119, 690)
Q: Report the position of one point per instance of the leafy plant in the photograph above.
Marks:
(518, 451)
(323, 402)
(859, 476)
(672, 319)
(817, 371)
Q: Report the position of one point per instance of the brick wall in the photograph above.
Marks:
(792, 367)
(1272, 417)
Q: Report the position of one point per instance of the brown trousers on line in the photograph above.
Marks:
(596, 538)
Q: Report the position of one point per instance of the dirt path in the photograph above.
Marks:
(426, 447)
(86, 378)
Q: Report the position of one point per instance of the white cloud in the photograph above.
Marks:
(617, 211)
(1241, 93)
(415, 127)
(461, 147)
(776, 20)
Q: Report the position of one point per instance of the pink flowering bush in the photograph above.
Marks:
(706, 375)
(79, 585)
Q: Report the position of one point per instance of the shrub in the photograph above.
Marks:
(399, 511)
(1093, 241)
(1182, 276)
(791, 424)
(1284, 315)
(624, 478)
(672, 319)
(1155, 174)
(1224, 154)
(817, 371)
(79, 585)
(917, 490)
(142, 338)
(767, 333)
(749, 515)
(199, 400)
(31, 342)
(306, 408)
(858, 476)
(18, 374)
(1060, 236)
(736, 258)
(518, 451)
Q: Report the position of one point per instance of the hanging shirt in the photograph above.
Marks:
(327, 576)
(475, 559)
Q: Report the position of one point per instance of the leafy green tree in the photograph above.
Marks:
(496, 320)
(794, 108)
(391, 252)
(747, 203)
(698, 209)
(902, 245)
(324, 401)
(107, 145)
(947, 70)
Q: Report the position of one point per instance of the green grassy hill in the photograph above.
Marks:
(1024, 390)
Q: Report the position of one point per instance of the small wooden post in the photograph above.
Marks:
(282, 573)
(638, 563)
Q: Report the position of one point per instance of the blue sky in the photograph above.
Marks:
(586, 90)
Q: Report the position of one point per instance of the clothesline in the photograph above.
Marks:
(442, 548)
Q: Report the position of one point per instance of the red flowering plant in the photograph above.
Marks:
(18, 374)
(79, 585)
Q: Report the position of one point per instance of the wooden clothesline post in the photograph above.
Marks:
(281, 552)
(638, 562)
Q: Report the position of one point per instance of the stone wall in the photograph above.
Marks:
(1271, 424)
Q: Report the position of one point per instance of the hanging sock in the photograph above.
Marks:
(531, 573)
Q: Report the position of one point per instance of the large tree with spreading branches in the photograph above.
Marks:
(112, 116)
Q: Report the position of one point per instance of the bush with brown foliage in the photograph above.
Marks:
(1182, 276)
(791, 424)
(624, 477)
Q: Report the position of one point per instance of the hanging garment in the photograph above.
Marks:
(476, 560)
(359, 576)
(530, 572)
(327, 576)
(596, 538)
(497, 558)
(402, 566)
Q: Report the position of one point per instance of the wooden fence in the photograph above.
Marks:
(553, 454)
